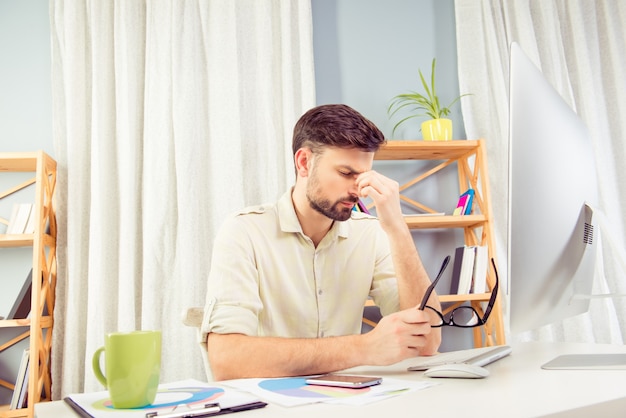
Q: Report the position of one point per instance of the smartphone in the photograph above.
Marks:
(344, 380)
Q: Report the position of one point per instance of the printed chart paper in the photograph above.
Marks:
(190, 393)
(294, 391)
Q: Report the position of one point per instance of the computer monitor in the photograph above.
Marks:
(552, 179)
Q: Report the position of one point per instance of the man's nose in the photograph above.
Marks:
(354, 189)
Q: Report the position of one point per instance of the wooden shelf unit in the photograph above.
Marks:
(43, 243)
(470, 158)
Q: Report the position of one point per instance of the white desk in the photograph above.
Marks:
(517, 387)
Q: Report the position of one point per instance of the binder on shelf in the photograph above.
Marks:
(462, 270)
(456, 270)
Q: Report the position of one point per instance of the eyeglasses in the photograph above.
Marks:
(462, 316)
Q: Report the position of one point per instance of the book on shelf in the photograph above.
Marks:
(481, 265)
(19, 218)
(456, 270)
(469, 271)
(22, 401)
(21, 382)
(464, 204)
(22, 304)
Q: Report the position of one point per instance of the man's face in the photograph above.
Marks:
(331, 187)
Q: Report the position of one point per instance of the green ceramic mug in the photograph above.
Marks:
(132, 365)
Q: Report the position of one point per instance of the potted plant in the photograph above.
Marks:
(438, 127)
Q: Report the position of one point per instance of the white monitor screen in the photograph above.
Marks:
(552, 176)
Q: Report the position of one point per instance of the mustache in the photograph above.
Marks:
(353, 199)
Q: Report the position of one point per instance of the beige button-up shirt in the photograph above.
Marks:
(268, 279)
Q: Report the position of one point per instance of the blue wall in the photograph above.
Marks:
(368, 51)
(25, 81)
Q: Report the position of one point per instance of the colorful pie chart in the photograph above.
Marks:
(168, 398)
(297, 387)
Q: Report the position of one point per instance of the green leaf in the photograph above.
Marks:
(427, 104)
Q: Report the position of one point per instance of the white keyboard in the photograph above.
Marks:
(476, 356)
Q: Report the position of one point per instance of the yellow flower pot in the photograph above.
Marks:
(437, 130)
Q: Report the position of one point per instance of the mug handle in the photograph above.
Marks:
(95, 363)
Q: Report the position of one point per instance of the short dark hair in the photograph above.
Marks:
(336, 125)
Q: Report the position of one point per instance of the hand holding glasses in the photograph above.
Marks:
(467, 317)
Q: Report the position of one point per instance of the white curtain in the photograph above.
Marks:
(579, 45)
(168, 115)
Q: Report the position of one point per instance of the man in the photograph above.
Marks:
(288, 281)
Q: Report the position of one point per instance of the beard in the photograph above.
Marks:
(333, 210)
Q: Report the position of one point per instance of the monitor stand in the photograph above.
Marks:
(587, 362)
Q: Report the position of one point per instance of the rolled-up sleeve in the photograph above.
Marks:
(233, 302)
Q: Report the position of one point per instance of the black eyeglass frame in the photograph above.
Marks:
(481, 321)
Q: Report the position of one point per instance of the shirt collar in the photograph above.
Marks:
(289, 220)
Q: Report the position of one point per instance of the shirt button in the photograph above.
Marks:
(319, 292)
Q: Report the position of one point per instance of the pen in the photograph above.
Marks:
(208, 410)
